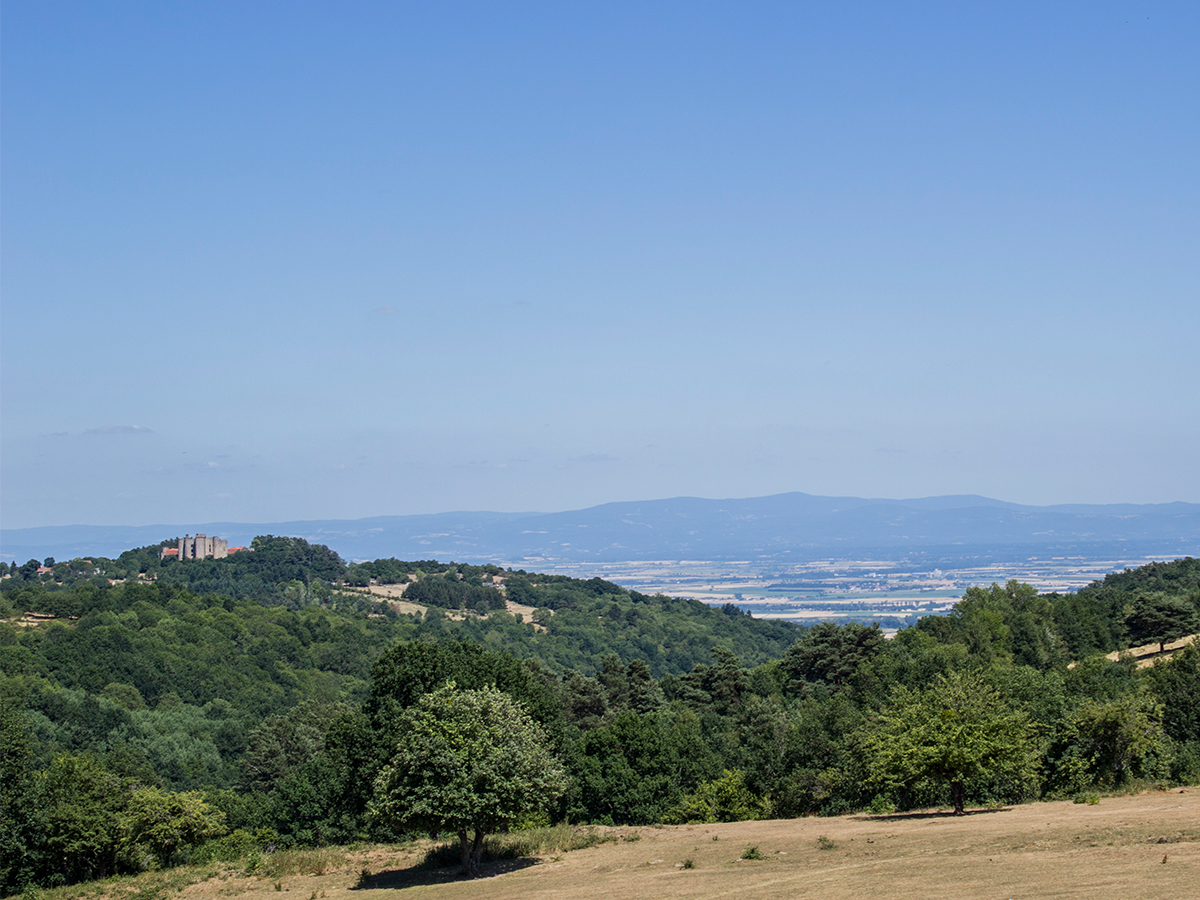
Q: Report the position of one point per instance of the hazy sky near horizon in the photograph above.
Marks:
(272, 261)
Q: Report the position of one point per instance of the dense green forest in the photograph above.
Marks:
(254, 700)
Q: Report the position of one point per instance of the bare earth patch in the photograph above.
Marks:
(388, 590)
(514, 607)
(390, 593)
(526, 612)
(1042, 850)
(33, 620)
(407, 609)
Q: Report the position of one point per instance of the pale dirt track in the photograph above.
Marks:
(1045, 850)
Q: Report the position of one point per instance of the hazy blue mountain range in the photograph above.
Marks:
(786, 527)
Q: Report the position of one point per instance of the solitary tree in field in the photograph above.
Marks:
(955, 730)
(466, 762)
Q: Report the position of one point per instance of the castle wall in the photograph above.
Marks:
(202, 547)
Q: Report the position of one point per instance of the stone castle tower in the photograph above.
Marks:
(202, 547)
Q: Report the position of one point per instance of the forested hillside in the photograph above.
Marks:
(272, 688)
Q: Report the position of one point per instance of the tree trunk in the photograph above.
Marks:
(956, 793)
(472, 851)
(477, 852)
(465, 848)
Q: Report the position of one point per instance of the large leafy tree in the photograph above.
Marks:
(1109, 743)
(1010, 623)
(466, 761)
(82, 804)
(635, 768)
(163, 822)
(411, 669)
(1177, 684)
(958, 729)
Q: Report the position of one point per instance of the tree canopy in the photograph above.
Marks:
(958, 729)
(1161, 619)
(830, 654)
(466, 761)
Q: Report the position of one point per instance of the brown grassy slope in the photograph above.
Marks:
(1043, 850)
(1147, 654)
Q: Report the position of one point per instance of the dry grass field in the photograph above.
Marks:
(1147, 654)
(1145, 846)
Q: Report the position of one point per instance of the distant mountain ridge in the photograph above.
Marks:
(786, 527)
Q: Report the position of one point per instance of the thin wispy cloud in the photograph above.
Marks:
(119, 429)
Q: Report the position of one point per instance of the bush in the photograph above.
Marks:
(1185, 767)
(725, 799)
(881, 805)
(236, 845)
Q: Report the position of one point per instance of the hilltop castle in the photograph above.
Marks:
(202, 547)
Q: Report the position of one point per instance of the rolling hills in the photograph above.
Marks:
(791, 527)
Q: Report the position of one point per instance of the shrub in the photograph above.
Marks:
(724, 799)
(236, 845)
(881, 805)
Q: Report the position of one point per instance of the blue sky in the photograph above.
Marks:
(269, 261)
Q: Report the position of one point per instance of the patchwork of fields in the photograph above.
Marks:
(894, 592)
